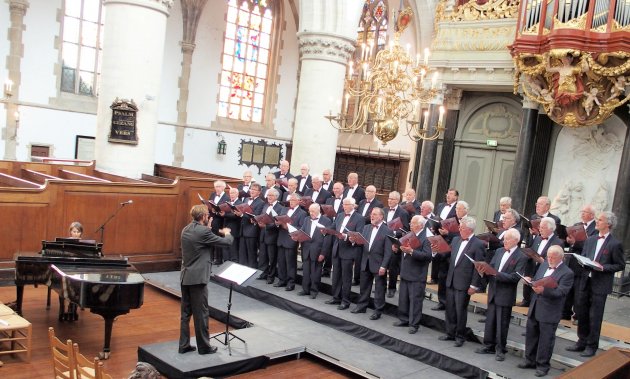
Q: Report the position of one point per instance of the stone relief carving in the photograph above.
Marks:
(325, 47)
(583, 169)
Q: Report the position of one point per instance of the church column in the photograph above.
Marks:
(453, 102)
(132, 69)
(323, 67)
(17, 10)
(428, 158)
(524, 152)
(621, 202)
(191, 11)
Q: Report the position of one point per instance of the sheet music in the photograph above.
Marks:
(237, 273)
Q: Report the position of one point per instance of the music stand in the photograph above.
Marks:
(232, 273)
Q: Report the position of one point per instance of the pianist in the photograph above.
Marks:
(197, 243)
(75, 230)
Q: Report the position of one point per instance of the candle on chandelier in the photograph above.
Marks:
(408, 48)
(8, 87)
(370, 50)
(434, 80)
(395, 67)
(365, 71)
(441, 115)
(363, 51)
(379, 105)
(350, 71)
(426, 56)
(425, 125)
(417, 59)
(347, 103)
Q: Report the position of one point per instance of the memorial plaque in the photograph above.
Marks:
(123, 127)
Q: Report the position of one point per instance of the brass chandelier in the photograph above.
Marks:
(391, 88)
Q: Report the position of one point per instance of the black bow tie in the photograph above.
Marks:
(601, 237)
(464, 239)
(545, 238)
(551, 268)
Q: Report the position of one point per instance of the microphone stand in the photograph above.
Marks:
(102, 227)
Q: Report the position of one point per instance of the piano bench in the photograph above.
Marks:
(15, 334)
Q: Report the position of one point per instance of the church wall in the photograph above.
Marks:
(171, 66)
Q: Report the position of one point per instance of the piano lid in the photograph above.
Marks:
(100, 274)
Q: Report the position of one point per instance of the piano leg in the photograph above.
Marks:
(108, 316)
(48, 298)
(19, 293)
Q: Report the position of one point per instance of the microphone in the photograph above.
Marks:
(126, 202)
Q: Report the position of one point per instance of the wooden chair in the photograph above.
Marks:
(86, 368)
(64, 366)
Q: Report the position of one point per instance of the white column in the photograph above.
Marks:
(133, 50)
(327, 38)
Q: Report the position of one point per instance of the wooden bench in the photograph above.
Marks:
(15, 333)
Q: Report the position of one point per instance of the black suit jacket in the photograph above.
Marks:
(611, 257)
(404, 218)
(451, 213)
(297, 220)
(373, 204)
(462, 274)
(497, 216)
(319, 244)
(547, 307)
(307, 184)
(414, 266)
(197, 240)
(232, 221)
(577, 249)
(553, 216)
(532, 266)
(416, 206)
(217, 220)
(269, 234)
(359, 193)
(322, 196)
(502, 287)
(331, 201)
(346, 249)
(378, 255)
(248, 228)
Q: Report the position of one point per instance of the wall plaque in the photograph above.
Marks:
(123, 128)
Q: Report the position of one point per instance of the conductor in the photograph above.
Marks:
(197, 242)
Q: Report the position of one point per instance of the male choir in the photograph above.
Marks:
(346, 232)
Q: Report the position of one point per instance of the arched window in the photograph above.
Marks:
(373, 25)
(245, 60)
(81, 50)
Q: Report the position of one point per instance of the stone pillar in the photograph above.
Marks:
(524, 153)
(17, 10)
(133, 50)
(452, 105)
(428, 158)
(621, 202)
(191, 11)
(327, 37)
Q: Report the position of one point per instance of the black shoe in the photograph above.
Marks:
(332, 301)
(526, 365)
(588, 352)
(357, 310)
(500, 356)
(431, 282)
(482, 320)
(391, 292)
(485, 350)
(401, 323)
(375, 316)
(289, 288)
(211, 350)
(187, 349)
(522, 304)
(261, 277)
(313, 295)
(217, 262)
(540, 373)
(303, 293)
(413, 330)
(458, 343)
(342, 307)
(575, 347)
(270, 280)
(325, 275)
(446, 338)
(438, 307)
(279, 284)
(356, 283)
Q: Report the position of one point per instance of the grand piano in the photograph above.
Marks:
(79, 273)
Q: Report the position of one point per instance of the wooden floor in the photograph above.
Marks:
(156, 321)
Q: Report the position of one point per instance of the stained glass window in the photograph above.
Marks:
(81, 48)
(245, 60)
(373, 25)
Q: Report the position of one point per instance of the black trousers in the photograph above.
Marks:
(442, 274)
(394, 271)
(311, 275)
(248, 252)
(367, 278)
(497, 326)
(456, 313)
(539, 342)
(268, 260)
(410, 301)
(590, 314)
(342, 279)
(357, 265)
(287, 265)
(194, 303)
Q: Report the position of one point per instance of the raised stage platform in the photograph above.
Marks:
(351, 341)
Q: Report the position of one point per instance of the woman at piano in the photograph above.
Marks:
(75, 230)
